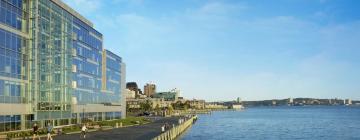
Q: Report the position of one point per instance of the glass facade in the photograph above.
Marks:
(13, 61)
(10, 123)
(88, 45)
(52, 61)
(12, 55)
(13, 13)
(13, 65)
(49, 56)
(113, 76)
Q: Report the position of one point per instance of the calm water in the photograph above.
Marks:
(327, 122)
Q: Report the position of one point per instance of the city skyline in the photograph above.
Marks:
(220, 50)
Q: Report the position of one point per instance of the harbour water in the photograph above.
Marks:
(276, 123)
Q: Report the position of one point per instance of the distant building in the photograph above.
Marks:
(154, 102)
(134, 87)
(149, 89)
(348, 102)
(160, 102)
(197, 104)
(129, 94)
(237, 106)
(140, 92)
(168, 96)
(133, 103)
(215, 106)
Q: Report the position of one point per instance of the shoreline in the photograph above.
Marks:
(177, 131)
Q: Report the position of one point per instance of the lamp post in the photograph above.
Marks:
(83, 116)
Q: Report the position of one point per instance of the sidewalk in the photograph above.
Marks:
(138, 132)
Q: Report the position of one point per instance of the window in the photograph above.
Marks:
(58, 60)
(57, 96)
(7, 65)
(2, 62)
(6, 89)
(7, 40)
(57, 78)
(1, 89)
(12, 90)
(2, 38)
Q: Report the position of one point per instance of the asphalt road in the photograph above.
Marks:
(139, 132)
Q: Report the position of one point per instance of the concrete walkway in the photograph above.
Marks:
(139, 132)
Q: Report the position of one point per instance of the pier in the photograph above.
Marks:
(174, 132)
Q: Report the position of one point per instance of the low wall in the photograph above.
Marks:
(176, 131)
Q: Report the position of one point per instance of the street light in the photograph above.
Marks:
(83, 116)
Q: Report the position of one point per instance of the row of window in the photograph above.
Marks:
(10, 67)
(84, 97)
(113, 65)
(110, 86)
(12, 99)
(8, 88)
(87, 83)
(87, 67)
(46, 96)
(16, 3)
(9, 53)
(11, 58)
(83, 36)
(10, 123)
(47, 9)
(93, 116)
(11, 41)
(113, 75)
(13, 122)
(54, 29)
(11, 14)
(92, 54)
(97, 116)
(112, 115)
(86, 27)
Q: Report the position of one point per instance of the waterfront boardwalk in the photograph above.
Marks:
(138, 132)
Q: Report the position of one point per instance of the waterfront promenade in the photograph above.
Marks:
(139, 132)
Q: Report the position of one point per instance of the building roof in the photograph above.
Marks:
(72, 12)
(113, 55)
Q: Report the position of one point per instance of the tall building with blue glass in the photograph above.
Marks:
(54, 68)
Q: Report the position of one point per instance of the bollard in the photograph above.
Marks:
(117, 125)
(121, 124)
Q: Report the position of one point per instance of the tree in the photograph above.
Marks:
(157, 107)
(181, 106)
(146, 106)
(170, 109)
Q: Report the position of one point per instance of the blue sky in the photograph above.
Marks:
(223, 49)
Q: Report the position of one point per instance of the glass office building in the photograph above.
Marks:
(53, 68)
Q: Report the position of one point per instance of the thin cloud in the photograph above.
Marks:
(223, 50)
